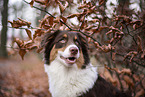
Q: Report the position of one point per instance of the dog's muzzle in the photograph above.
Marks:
(72, 57)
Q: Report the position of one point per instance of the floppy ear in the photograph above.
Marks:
(47, 43)
(84, 46)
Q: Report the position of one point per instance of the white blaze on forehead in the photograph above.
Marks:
(66, 53)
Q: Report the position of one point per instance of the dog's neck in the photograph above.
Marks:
(69, 81)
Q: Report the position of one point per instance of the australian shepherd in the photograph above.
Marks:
(69, 69)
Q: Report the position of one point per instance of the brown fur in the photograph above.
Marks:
(101, 87)
(80, 60)
(54, 51)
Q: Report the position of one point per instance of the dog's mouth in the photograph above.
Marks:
(69, 60)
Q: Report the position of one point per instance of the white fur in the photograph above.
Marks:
(66, 81)
(67, 52)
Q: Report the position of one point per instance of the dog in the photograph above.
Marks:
(68, 67)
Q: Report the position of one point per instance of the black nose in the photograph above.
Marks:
(73, 50)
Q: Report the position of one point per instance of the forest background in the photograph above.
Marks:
(115, 30)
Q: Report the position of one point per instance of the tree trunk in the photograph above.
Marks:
(123, 8)
(3, 50)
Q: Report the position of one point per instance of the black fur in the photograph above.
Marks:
(47, 43)
(51, 38)
(84, 45)
(102, 88)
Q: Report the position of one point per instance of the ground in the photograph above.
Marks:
(26, 78)
(23, 78)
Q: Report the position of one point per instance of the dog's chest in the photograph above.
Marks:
(69, 82)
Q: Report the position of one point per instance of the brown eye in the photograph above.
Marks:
(76, 42)
(62, 41)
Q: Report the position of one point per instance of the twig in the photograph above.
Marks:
(40, 9)
(130, 34)
(82, 22)
(11, 47)
(23, 28)
(132, 60)
(64, 23)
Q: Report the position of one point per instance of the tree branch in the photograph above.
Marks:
(64, 23)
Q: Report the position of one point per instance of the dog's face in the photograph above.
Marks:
(68, 47)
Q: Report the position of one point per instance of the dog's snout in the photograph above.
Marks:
(74, 50)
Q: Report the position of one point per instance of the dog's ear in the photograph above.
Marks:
(84, 46)
(47, 44)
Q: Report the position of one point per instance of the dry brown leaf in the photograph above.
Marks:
(109, 77)
(132, 54)
(82, 25)
(19, 42)
(109, 32)
(17, 24)
(101, 2)
(46, 26)
(89, 27)
(24, 21)
(38, 32)
(42, 2)
(64, 19)
(31, 3)
(124, 17)
(143, 54)
(90, 10)
(83, 6)
(62, 8)
(113, 56)
(28, 43)
(93, 21)
(136, 77)
(32, 47)
(29, 33)
(57, 20)
(74, 15)
(22, 52)
(97, 44)
(134, 26)
(39, 50)
(51, 20)
(107, 48)
(140, 93)
(44, 21)
(139, 41)
(126, 71)
(128, 80)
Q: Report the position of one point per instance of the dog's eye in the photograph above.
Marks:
(76, 42)
(62, 41)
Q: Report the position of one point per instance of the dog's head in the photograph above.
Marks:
(69, 47)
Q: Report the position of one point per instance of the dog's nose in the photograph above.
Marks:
(73, 50)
